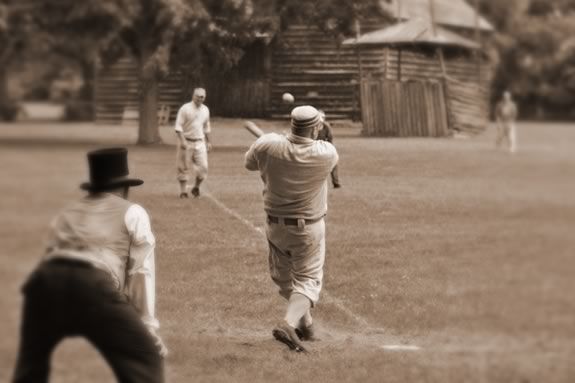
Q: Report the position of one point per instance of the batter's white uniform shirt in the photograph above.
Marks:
(294, 170)
(193, 121)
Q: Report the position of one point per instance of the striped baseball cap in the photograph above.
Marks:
(304, 117)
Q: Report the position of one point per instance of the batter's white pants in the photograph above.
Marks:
(296, 258)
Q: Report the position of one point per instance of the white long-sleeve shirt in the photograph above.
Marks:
(114, 235)
(141, 284)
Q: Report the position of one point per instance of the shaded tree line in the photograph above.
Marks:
(195, 35)
(535, 41)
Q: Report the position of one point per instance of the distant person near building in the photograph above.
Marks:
(506, 115)
(193, 131)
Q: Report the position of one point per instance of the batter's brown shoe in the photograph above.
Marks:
(196, 191)
(286, 334)
(183, 195)
(306, 333)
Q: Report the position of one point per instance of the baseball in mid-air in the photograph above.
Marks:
(288, 98)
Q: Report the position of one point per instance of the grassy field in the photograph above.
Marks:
(447, 245)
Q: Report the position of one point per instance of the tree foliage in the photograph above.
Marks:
(153, 31)
(534, 39)
(195, 34)
(14, 28)
(536, 48)
(334, 16)
(82, 35)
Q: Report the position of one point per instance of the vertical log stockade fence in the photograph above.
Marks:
(404, 109)
(422, 108)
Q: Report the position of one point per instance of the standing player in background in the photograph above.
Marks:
(97, 280)
(326, 134)
(193, 131)
(505, 115)
(294, 170)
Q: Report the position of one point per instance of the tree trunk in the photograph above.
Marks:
(6, 57)
(148, 128)
(3, 85)
(8, 110)
(88, 75)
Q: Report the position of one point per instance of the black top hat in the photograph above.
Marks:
(109, 170)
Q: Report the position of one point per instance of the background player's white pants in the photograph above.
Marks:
(196, 156)
(296, 259)
(507, 131)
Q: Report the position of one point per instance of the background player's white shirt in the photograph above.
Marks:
(193, 121)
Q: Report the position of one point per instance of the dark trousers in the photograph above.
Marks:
(65, 298)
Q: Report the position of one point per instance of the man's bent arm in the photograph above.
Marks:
(141, 273)
(181, 138)
(251, 161)
(179, 127)
(328, 132)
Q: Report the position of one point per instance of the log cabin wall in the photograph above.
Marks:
(423, 64)
(312, 65)
(243, 91)
(392, 108)
(302, 59)
(116, 92)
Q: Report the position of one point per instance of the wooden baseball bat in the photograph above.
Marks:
(253, 129)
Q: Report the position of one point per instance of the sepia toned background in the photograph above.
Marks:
(448, 259)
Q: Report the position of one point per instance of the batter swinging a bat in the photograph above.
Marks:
(294, 169)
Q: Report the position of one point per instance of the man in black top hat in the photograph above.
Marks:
(97, 280)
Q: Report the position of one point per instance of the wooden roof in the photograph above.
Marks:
(450, 13)
(416, 31)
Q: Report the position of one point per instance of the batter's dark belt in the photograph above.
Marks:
(194, 139)
(292, 221)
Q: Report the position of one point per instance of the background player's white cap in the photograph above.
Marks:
(200, 91)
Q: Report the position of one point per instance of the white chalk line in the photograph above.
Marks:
(234, 214)
(400, 347)
(358, 319)
(336, 302)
